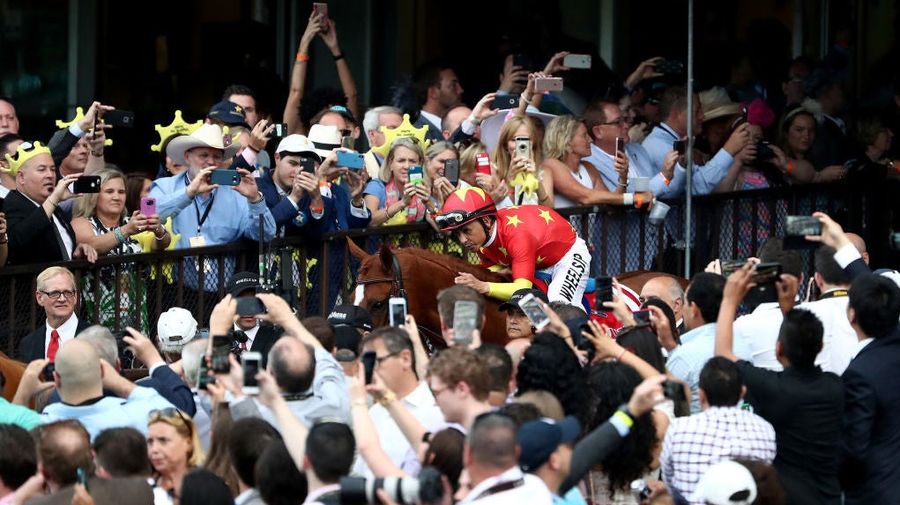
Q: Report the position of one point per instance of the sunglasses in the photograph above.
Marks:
(450, 218)
(170, 414)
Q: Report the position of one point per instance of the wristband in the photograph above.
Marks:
(117, 231)
(388, 398)
(665, 179)
(317, 209)
(639, 200)
(624, 350)
(426, 437)
(627, 199)
(97, 154)
(474, 120)
(338, 56)
(259, 198)
(790, 166)
(302, 57)
(623, 417)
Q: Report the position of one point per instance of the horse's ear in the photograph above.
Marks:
(387, 258)
(355, 250)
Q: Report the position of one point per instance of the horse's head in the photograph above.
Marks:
(376, 279)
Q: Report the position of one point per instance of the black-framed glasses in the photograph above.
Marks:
(56, 295)
(618, 122)
(171, 413)
(380, 359)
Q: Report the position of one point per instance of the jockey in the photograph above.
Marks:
(525, 238)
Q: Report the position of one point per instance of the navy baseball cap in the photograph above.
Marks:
(513, 302)
(242, 281)
(229, 113)
(350, 315)
(538, 439)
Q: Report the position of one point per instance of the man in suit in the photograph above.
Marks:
(39, 231)
(250, 333)
(292, 191)
(438, 90)
(871, 449)
(58, 295)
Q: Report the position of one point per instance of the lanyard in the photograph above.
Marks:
(212, 198)
(664, 127)
(833, 294)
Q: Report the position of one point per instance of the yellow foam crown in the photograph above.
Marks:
(406, 129)
(25, 152)
(79, 115)
(178, 126)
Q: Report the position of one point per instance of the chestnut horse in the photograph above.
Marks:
(12, 373)
(422, 274)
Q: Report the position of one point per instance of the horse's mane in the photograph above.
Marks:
(450, 263)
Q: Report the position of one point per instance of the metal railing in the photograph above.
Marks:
(135, 289)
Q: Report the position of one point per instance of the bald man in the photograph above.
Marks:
(668, 290)
(860, 246)
(453, 119)
(81, 377)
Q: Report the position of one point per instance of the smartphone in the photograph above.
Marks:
(353, 161)
(280, 130)
(347, 142)
(451, 171)
(415, 174)
(221, 348)
(82, 476)
(729, 267)
(368, 360)
(535, 313)
(122, 118)
(203, 377)
(680, 146)
(148, 205)
(669, 67)
(802, 225)
(604, 292)
(86, 184)
(523, 147)
(308, 165)
(767, 273)
(577, 61)
(483, 163)
(641, 317)
(47, 372)
(250, 363)
(542, 84)
(225, 177)
(504, 102)
(250, 306)
(673, 391)
(465, 313)
(620, 145)
(523, 61)
(397, 311)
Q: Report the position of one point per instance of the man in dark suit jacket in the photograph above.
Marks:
(437, 89)
(57, 293)
(257, 335)
(39, 231)
(871, 448)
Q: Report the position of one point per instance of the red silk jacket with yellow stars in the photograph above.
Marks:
(527, 238)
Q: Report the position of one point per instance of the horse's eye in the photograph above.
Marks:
(378, 305)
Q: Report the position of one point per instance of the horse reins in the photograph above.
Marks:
(397, 289)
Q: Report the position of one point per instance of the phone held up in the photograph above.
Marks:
(250, 306)
(225, 177)
(577, 61)
(543, 84)
(465, 314)
(221, 348)
(523, 147)
(416, 174)
(483, 163)
(504, 102)
(397, 311)
(533, 310)
(86, 184)
(250, 363)
(451, 171)
(148, 205)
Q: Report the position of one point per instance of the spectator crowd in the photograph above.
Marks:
(731, 388)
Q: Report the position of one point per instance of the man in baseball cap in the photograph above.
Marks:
(249, 332)
(517, 324)
(546, 449)
(291, 189)
(351, 323)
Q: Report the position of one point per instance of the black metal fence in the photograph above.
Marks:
(134, 290)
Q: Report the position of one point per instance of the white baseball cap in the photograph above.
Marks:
(726, 483)
(175, 328)
(298, 144)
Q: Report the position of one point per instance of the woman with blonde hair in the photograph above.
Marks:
(390, 198)
(513, 167)
(576, 181)
(173, 447)
(101, 219)
(436, 156)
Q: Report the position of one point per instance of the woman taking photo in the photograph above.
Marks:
(173, 447)
(436, 156)
(101, 219)
(513, 168)
(390, 198)
(575, 181)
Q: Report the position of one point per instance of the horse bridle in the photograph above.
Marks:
(397, 289)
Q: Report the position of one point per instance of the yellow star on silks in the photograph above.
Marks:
(513, 220)
(540, 259)
(545, 214)
(503, 250)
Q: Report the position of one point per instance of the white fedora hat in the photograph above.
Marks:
(208, 135)
(326, 138)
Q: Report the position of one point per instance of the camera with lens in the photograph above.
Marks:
(426, 488)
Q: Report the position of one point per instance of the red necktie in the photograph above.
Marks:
(54, 345)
